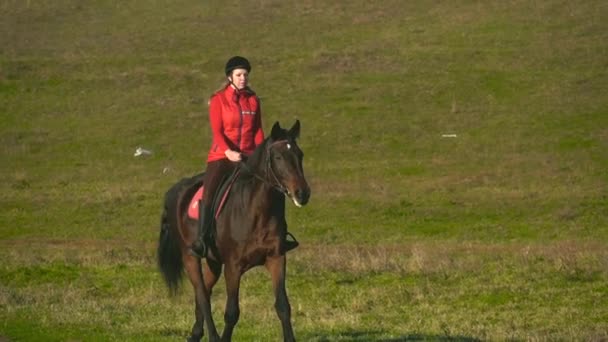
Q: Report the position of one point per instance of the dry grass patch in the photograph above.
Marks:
(569, 257)
(435, 288)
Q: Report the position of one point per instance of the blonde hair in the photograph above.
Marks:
(225, 83)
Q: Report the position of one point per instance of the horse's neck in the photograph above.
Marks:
(263, 194)
(267, 198)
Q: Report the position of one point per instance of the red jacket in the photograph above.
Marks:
(236, 122)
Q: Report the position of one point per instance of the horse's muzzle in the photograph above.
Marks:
(301, 196)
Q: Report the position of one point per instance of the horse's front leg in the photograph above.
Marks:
(202, 295)
(276, 266)
(232, 312)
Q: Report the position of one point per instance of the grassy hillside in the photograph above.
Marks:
(457, 153)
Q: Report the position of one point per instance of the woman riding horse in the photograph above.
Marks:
(251, 230)
(236, 123)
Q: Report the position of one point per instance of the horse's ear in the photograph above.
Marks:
(276, 131)
(294, 131)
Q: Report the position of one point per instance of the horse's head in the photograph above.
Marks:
(285, 163)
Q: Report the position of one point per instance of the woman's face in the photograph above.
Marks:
(240, 78)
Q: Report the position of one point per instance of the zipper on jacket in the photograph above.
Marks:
(238, 104)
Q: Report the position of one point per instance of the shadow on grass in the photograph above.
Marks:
(376, 336)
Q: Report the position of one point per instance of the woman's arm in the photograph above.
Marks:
(258, 137)
(217, 126)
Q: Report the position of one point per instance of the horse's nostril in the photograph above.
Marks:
(303, 195)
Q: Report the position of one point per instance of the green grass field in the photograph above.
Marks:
(457, 153)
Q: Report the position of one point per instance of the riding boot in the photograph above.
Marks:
(199, 246)
(290, 244)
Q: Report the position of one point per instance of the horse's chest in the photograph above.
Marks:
(254, 241)
(256, 254)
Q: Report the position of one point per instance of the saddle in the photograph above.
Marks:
(219, 199)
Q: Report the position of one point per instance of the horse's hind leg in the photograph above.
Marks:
(202, 297)
(232, 311)
(211, 274)
(276, 267)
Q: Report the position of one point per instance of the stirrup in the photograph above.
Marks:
(290, 244)
(198, 249)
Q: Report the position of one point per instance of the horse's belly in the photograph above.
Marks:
(257, 256)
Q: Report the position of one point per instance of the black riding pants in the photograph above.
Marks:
(216, 171)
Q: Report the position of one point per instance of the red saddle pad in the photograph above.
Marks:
(193, 208)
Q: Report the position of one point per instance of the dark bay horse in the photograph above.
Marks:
(250, 231)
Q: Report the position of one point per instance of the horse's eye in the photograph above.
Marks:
(278, 157)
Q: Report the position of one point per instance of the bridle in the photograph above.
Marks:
(274, 182)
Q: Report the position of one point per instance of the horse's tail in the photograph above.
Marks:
(169, 251)
(169, 254)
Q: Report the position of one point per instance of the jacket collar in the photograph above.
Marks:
(232, 93)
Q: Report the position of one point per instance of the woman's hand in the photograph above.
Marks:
(233, 156)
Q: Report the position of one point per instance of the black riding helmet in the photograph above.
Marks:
(237, 62)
